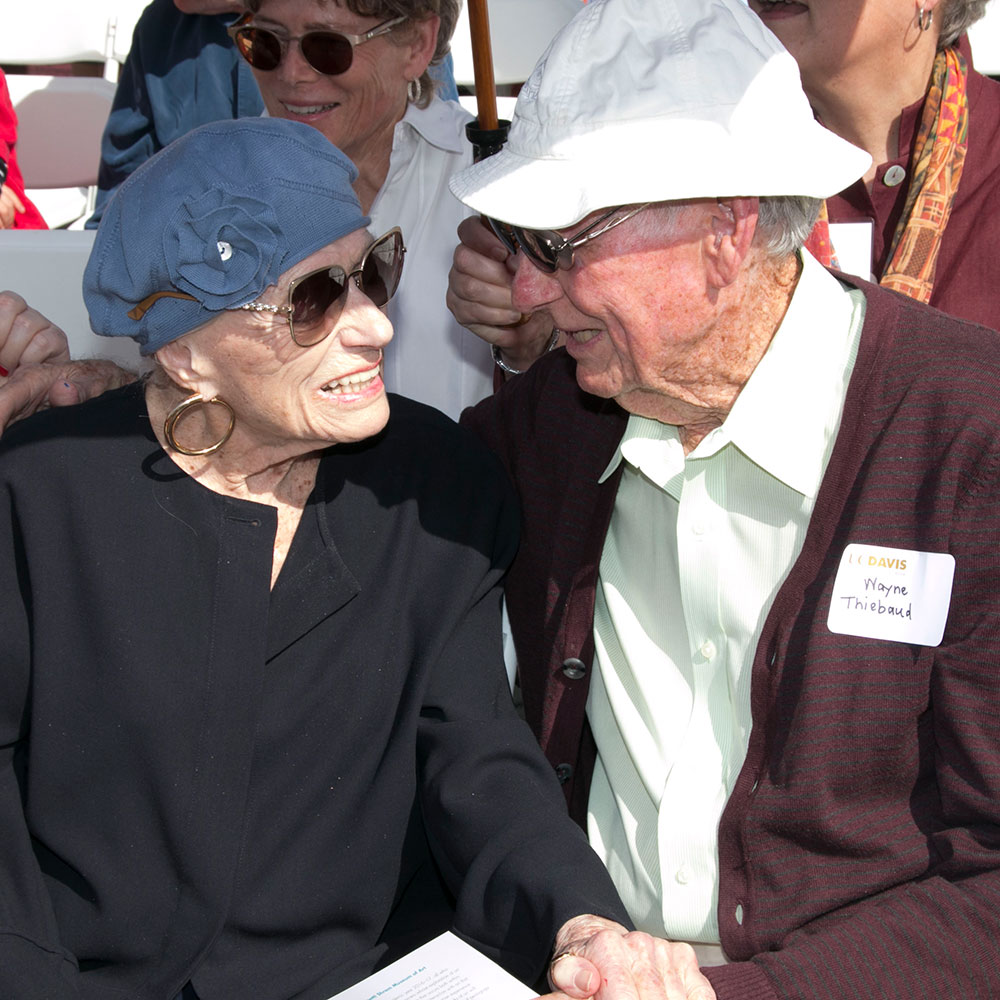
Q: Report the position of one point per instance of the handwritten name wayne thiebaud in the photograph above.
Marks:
(876, 599)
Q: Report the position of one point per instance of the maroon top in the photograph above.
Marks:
(967, 280)
(859, 851)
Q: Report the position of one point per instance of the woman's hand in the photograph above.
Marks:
(10, 205)
(599, 958)
(479, 297)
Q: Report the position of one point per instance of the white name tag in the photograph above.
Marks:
(897, 594)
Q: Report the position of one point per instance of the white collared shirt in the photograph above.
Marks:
(697, 549)
(431, 357)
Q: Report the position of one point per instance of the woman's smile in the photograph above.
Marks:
(362, 382)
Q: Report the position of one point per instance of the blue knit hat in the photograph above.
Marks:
(219, 215)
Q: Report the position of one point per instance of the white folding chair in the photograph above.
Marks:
(60, 122)
(45, 267)
(51, 32)
(520, 31)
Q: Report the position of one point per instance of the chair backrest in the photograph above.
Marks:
(63, 31)
(45, 267)
(59, 127)
(984, 37)
(520, 31)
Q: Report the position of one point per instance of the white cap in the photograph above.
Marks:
(657, 100)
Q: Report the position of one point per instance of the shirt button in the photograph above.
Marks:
(698, 528)
(564, 772)
(739, 914)
(894, 176)
(574, 669)
(682, 876)
(707, 649)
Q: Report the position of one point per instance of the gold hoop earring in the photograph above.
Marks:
(413, 90)
(181, 408)
(924, 18)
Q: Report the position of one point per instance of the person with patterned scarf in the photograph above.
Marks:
(897, 79)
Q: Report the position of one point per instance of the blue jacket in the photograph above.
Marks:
(182, 71)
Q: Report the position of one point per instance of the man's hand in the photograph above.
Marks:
(479, 297)
(35, 386)
(26, 336)
(598, 958)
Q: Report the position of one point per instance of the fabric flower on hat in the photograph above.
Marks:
(224, 248)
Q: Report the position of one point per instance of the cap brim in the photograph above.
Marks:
(684, 160)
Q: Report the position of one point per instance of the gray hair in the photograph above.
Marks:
(415, 10)
(783, 223)
(957, 16)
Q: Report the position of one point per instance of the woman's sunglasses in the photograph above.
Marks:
(328, 52)
(312, 295)
(549, 250)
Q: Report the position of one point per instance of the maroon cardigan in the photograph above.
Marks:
(860, 847)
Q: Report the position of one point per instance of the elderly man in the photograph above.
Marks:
(754, 607)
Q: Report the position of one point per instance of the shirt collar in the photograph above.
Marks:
(786, 417)
(652, 447)
(436, 124)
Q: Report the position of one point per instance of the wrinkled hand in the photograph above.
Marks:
(26, 336)
(33, 387)
(479, 297)
(10, 205)
(599, 958)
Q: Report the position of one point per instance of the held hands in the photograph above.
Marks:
(479, 297)
(598, 958)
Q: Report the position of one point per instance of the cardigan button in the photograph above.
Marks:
(574, 669)
(564, 772)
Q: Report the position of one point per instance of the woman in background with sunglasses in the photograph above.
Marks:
(251, 675)
(357, 70)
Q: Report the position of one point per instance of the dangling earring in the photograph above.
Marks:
(413, 90)
(181, 408)
(925, 18)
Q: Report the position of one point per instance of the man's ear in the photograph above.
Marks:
(734, 222)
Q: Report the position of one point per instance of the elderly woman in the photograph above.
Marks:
(251, 677)
(894, 77)
(357, 70)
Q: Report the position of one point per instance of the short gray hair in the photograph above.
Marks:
(784, 224)
(957, 16)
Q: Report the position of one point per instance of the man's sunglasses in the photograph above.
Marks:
(311, 296)
(328, 52)
(549, 250)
